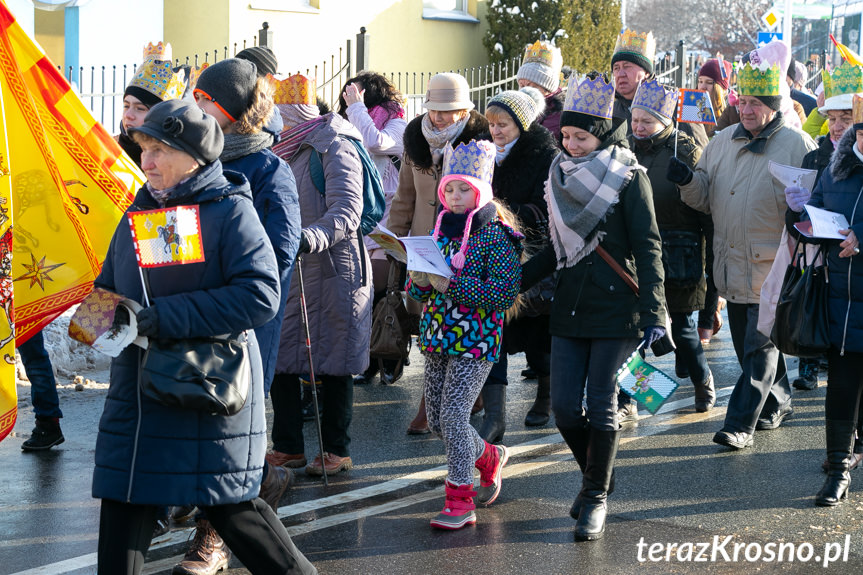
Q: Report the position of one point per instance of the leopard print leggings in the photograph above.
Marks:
(452, 385)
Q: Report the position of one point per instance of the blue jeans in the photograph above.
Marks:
(763, 387)
(684, 332)
(43, 386)
(580, 366)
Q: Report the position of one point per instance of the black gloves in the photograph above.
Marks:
(305, 247)
(148, 322)
(678, 172)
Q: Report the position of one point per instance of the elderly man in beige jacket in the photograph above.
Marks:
(732, 182)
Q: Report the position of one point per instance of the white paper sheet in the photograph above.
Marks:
(826, 224)
(791, 176)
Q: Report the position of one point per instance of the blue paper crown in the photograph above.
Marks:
(656, 98)
(591, 97)
(474, 159)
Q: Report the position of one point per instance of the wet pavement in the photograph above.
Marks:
(682, 504)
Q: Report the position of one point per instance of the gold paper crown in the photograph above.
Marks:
(845, 79)
(632, 42)
(753, 81)
(194, 74)
(857, 108)
(158, 51)
(296, 89)
(544, 53)
(591, 97)
(158, 78)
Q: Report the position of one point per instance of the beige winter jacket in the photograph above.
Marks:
(732, 182)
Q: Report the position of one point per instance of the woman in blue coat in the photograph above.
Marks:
(840, 190)
(150, 455)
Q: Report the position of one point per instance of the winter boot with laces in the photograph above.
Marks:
(458, 507)
(208, 554)
(490, 465)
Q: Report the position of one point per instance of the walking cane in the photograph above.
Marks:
(305, 317)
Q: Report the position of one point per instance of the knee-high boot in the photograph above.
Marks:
(576, 439)
(601, 453)
(840, 444)
(494, 423)
(539, 412)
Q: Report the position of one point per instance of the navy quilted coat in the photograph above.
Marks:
(150, 454)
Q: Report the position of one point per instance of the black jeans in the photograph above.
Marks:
(684, 332)
(251, 530)
(338, 401)
(588, 367)
(762, 387)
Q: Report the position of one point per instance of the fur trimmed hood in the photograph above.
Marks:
(417, 147)
(844, 159)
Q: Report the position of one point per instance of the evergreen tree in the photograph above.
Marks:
(585, 30)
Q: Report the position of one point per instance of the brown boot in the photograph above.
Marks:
(274, 486)
(208, 554)
(420, 425)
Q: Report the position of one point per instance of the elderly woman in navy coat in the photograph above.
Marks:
(148, 454)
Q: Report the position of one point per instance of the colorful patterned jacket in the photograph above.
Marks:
(467, 320)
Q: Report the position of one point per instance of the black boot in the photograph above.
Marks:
(601, 453)
(539, 412)
(840, 444)
(577, 439)
(494, 423)
(45, 435)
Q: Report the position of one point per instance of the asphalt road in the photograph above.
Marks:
(682, 503)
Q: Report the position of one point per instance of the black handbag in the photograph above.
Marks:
(208, 374)
(211, 374)
(802, 325)
(391, 323)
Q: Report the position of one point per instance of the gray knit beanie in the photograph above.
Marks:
(230, 84)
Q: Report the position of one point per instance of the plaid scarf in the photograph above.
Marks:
(580, 192)
(293, 138)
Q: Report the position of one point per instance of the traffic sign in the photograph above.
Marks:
(765, 38)
(771, 19)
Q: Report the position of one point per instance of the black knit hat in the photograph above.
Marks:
(262, 57)
(772, 102)
(637, 59)
(147, 98)
(230, 84)
(183, 126)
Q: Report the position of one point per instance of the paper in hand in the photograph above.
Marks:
(790, 176)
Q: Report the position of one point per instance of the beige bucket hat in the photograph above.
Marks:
(446, 92)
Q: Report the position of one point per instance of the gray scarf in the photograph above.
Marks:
(241, 145)
(579, 193)
(438, 139)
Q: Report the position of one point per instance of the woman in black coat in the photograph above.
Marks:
(840, 190)
(525, 150)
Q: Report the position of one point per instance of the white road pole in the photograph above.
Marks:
(786, 23)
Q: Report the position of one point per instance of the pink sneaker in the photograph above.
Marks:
(458, 507)
(490, 465)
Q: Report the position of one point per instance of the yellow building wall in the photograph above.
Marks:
(198, 27)
(400, 39)
(50, 29)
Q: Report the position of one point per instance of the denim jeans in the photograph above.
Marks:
(588, 367)
(762, 387)
(684, 332)
(43, 386)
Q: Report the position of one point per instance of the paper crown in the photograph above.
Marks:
(761, 80)
(845, 79)
(158, 78)
(654, 97)
(592, 97)
(543, 52)
(194, 74)
(640, 45)
(474, 160)
(158, 51)
(857, 108)
(296, 89)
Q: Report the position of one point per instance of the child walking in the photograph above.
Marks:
(462, 321)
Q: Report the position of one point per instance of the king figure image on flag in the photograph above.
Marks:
(644, 383)
(695, 107)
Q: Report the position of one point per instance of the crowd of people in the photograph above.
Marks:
(580, 223)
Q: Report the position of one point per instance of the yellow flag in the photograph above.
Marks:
(70, 184)
(167, 237)
(8, 396)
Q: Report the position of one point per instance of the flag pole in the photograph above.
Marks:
(144, 286)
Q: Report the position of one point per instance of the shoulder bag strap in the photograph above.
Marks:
(627, 279)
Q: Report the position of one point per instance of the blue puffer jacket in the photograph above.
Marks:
(274, 193)
(839, 190)
(150, 454)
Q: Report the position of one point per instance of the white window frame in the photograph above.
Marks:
(456, 14)
(304, 6)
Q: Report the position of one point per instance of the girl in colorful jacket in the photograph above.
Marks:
(462, 321)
